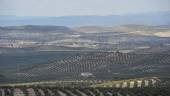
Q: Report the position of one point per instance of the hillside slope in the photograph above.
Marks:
(102, 65)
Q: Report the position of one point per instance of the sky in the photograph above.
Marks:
(81, 7)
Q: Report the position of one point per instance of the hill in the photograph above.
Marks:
(126, 38)
(159, 31)
(154, 18)
(102, 65)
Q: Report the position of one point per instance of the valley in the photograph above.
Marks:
(84, 61)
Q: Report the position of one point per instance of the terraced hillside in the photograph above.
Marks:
(100, 66)
(131, 83)
(47, 91)
(151, 86)
(128, 83)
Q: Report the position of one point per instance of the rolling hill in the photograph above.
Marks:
(154, 18)
(103, 66)
(159, 31)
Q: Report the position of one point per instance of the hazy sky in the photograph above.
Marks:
(80, 7)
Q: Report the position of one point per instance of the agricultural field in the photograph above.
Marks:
(142, 87)
(90, 74)
(151, 86)
(100, 66)
(84, 48)
(63, 61)
(48, 91)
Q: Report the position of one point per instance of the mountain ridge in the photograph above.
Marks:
(154, 18)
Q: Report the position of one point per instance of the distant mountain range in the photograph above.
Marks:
(154, 18)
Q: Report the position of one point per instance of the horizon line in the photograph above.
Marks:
(126, 14)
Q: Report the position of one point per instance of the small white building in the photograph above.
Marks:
(86, 74)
